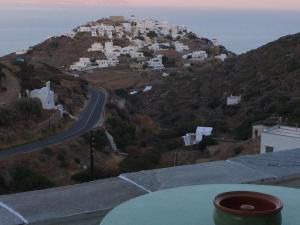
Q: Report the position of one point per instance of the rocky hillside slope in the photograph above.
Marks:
(267, 78)
(20, 118)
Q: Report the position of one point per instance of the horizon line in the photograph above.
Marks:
(77, 4)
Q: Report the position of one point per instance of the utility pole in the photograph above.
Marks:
(92, 150)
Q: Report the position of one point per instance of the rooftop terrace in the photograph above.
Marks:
(284, 131)
(86, 204)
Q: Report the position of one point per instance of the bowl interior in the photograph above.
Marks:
(248, 203)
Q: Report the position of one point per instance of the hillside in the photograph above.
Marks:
(267, 78)
(23, 119)
(150, 107)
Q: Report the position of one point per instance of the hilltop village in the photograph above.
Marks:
(143, 39)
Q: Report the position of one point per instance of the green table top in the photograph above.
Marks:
(193, 206)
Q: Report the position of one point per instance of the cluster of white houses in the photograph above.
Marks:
(142, 34)
(132, 28)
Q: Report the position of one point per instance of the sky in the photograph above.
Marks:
(225, 4)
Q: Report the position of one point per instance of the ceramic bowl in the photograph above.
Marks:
(247, 208)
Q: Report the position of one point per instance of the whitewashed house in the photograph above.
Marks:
(96, 47)
(222, 57)
(180, 47)
(137, 55)
(187, 65)
(154, 47)
(103, 63)
(71, 34)
(94, 32)
(139, 43)
(280, 138)
(22, 51)
(203, 131)
(196, 138)
(233, 100)
(82, 64)
(133, 93)
(147, 88)
(156, 63)
(45, 95)
(127, 27)
(129, 49)
(196, 56)
(189, 139)
(109, 46)
(84, 29)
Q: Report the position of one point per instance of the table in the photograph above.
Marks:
(192, 205)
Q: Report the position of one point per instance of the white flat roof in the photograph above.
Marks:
(285, 131)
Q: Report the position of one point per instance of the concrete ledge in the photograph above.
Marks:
(86, 204)
(65, 202)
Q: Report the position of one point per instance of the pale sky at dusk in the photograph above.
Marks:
(228, 4)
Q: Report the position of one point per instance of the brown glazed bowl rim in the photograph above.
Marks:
(270, 198)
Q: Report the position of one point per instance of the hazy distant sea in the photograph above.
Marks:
(239, 31)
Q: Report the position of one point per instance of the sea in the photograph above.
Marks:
(238, 30)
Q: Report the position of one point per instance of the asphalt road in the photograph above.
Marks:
(87, 120)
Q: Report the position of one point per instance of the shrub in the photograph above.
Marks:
(151, 34)
(206, 141)
(138, 163)
(123, 132)
(100, 139)
(191, 35)
(28, 107)
(169, 61)
(243, 131)
(184, 127)
(26, 180)
(7, 116)
(85, 176)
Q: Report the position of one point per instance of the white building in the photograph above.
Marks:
(189, 139)
(147, 88)
(180, 47)
(156, 63)
(203, 131)
(139, 43)
(196, 56)
(84, 29)
(103, 63)
(82, 64)
(94, 33)
(233, 100)
(71, 34)
(22, 51)
(45, 95)
(133, 92)
(280, 138)
(196, 138)
(154, 47)
(96, 47)
(109, 46)
(137, 55)
(126, 26)
(128, 50)
(222, 57)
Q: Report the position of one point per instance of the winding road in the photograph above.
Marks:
(88, 119)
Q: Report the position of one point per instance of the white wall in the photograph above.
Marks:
(278, 142)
